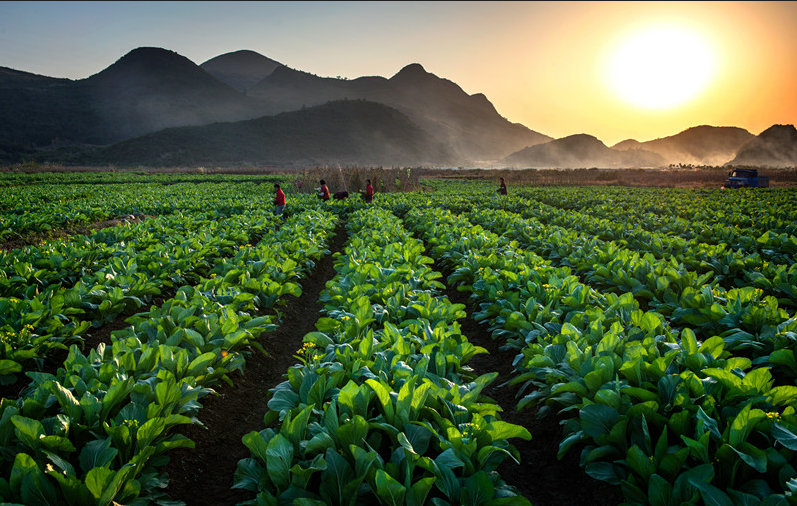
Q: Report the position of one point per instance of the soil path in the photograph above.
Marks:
(540, 477)
(203, 476)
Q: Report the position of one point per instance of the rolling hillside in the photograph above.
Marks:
(580, 151)
(350, 132)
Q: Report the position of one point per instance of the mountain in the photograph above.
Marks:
(700, 145)
(146, 90)
(240, 69)
(40, 111)
(774, 147)
(150, 88)
(469, 123)
(351, 132)
(580, 151)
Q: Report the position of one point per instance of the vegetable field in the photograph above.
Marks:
(170, 341)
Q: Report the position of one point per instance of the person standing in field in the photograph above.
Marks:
(502, 189)
(369, 191)
(279, 201)
(323, 191)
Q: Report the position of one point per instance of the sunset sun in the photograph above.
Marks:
(659, 67)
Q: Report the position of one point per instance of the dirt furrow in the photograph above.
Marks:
(540, 476)
(203, 476)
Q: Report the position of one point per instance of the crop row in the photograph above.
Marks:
(26, 271)
(44, 208)
(689, 213)
(669, 418)
(40, 321)
(718, 248)
(777, 245)
(96, 431)
(382, 408)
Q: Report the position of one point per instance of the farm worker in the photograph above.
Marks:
(369, 191)
(323, 191)
(502, 189)
(279, 201)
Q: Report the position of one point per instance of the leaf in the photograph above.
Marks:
(9, 367)
(639, 462)
(500, 430)
(447, 482)
(477, 490)
(659, 491)
(688, 341)
(98, 479)
(597, 419)
(383, 394)
(450, 459)
(248, 474)
(28, 431)
(33, 486)
(709, 423)
(295, 430)
(199, 366)
(743, 424)
(711, 495)
(784, 436)
(604, 471)
(256, 444)
(115, 394)
(782, 395)
(279, 459)
(335, 478)
(319, 443)
(752, 456)
(389, 491)
(419, 491)
(698, 448)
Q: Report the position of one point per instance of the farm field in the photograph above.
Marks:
(168, 340)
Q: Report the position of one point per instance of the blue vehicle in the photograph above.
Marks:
(746, 178)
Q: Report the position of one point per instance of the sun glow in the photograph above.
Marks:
(660, 67)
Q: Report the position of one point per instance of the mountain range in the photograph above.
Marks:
(156, 107)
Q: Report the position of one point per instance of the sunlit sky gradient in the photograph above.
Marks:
(543, 64)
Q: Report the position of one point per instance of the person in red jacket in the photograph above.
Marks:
(369, 191)
(502, 189)
(323, 192)
(279, 201)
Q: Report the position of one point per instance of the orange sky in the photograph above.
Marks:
(559, 59)
(542, 64)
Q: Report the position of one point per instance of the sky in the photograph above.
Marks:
(614, 70)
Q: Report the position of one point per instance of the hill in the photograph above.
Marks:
(349, 132)
(469, 123)
(146, 90)
(580, 151)
(774, 147)
(240, 69)
(700, 145)
(42, 111)
(149, 89)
